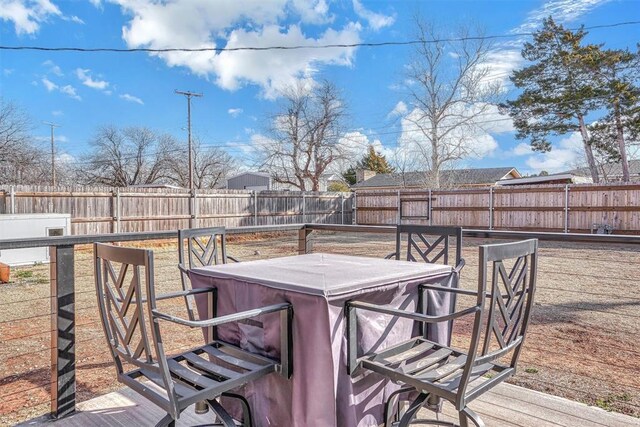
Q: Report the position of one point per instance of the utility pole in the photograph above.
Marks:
(53, 154)
(189, 95)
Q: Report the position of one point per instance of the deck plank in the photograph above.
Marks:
(505, 406)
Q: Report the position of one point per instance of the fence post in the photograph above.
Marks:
(12, 197)
(354, 209)
(566, 208)
(114, 211)
(304, 208)
(429, 203)
(399, 213)
(196, 207)
(305, 242)
(341, 208)
(255, 207)
(490, 208)
(63, 338)
(191, 208)
(118, 210)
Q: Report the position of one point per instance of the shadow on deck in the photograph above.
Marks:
(505, 406)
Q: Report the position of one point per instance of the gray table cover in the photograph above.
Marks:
(320, 392)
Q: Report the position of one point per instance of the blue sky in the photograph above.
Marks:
(82, 91)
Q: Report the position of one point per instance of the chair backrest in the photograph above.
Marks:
(204, 247)
(500, 325)
(428, 243)
(124, 280)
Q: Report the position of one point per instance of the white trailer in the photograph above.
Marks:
(24, 226)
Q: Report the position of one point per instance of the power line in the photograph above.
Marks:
(299, 47)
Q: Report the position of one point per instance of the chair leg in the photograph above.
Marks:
(167, 421)
(223, 415)
(413, 409)
(388, 407)
(467, 414)
(247, 419)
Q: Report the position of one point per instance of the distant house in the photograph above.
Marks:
(262, 181)
(556, 178)
(454, 178)
(612, 172)
(250, 181)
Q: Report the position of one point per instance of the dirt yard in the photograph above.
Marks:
(583, 342)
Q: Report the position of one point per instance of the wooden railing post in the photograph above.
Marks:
(63, 337)
(342, 208)
(255, 207)
(305, 241)
(12, 196)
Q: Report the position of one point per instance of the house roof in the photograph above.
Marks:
(532, 180)
(262, 174)
(612, 170)
(451, 176)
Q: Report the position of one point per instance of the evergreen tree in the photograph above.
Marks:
(617, 74)
(373, 161)
(559, 89)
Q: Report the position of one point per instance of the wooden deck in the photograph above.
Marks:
(505, 406)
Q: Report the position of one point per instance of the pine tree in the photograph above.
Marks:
(375, 161)
(617, 73)
(559, 89)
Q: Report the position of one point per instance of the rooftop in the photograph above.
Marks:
(452, 177)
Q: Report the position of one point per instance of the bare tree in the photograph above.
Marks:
(304, 136)
(129, 156)
(450, 92)
(211, 167)
(21, 161)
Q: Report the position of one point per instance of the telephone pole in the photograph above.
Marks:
(53, 154)
(189, 95)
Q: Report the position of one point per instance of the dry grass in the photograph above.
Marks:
(583, 342)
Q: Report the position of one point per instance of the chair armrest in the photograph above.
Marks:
(391, 255)
(440, 288)
(385, 309)
(170, 295)
(458, 267)
(222, 319)
(232, 258)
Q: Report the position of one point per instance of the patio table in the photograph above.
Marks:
(320, 391)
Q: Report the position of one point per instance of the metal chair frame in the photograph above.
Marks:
(204, 247)
(131, 324)
(442, 371)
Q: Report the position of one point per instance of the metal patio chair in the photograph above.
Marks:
(501, 315)
(204, 247)
(131, 321)
(431, 244)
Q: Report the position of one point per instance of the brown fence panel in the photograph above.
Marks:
(563, 208)
(98, 210)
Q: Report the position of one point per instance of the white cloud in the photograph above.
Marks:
(85, 77)
(376, 21)
(70, 91)
(522, 149)
(204, 24)
(27, 15)
(399, 110)
(49, 85)
(567, 154)
(473, 141)
(7, 71)
(53, 68)
(75, 19)
(57, 113)
(561, 10)
(234, 112)
(131, 98)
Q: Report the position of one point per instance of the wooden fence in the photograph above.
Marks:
(554, 208)
(97, 210)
